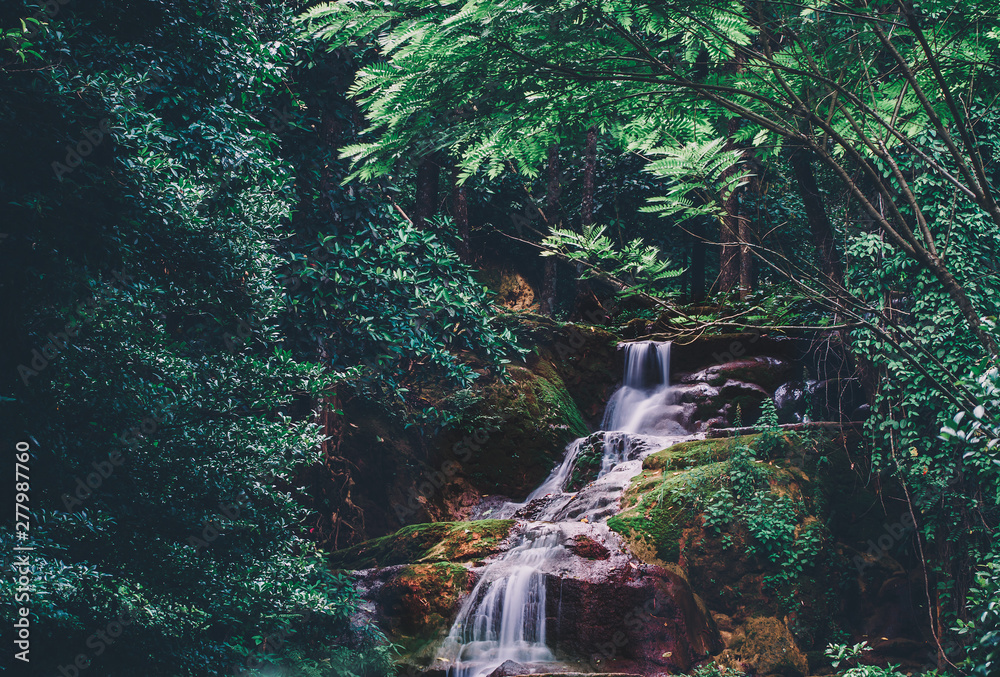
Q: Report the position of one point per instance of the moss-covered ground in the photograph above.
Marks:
(426, 543)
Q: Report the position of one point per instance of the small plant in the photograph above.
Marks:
(713, 670)
(768, 419)
(719, 510)
(842, 653)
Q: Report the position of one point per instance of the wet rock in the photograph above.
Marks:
(588, 462)
(641, 618)
(586, 547)
(790, 402)
(510, 669)
(764, 371)
(764, 646)
(532, 509)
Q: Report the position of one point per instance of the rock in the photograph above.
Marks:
(790, 402)
(510, 669)
(766, 372)
(643, 619)
(515, 292)
(425, 543)
(586, 547)
(532, 509)
(713, 350)
(419, 602)
(764, 646)
(746, 397)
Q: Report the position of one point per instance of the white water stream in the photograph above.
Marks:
(504, 617)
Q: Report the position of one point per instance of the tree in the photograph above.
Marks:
(839, 86)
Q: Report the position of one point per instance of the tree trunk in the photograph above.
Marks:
(697, 264)
(729, 226)
(461, 216)
(584, 298)
(746, 258)
(547, 303)
(819, 222)
(428, 172)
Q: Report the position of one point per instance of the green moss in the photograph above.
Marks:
(424, 543)
(694, 453)
(423, 600)
(588, 463)
(663, 505)
(552, 391)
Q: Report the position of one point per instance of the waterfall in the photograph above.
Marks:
(644, 404)
(503, 618)
(647, 364)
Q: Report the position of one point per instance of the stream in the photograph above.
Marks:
(504, 617)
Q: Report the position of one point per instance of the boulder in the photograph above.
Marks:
(588, 548)
(641, 619)
(742, 397)
(425, 543)
(764, 646)
(764, 371)
(790, 402)
(418, 603)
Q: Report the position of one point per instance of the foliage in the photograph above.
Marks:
(636, 267)
(778, 524)
(983, 629)
(851, 654)
(713, 670)
(169, 423)
(399, 294)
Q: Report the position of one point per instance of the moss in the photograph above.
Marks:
(661, 507)
(553, 392)
(588, 463)
(422, 601)
(538, 418)
(423, 543)
(694, 453)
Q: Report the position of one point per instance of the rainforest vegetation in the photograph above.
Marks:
(291, 290)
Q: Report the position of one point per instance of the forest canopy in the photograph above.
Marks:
(268, 267)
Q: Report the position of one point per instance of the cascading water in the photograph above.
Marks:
(644, 404)
(504, 618)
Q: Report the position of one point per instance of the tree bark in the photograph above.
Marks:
(547, 303)
(428, 172)
(698, 264)
(584, 298)
(819, 222)
(746, 234)
(461, 216)
(729, 226)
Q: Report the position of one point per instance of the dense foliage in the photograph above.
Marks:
(222, 219)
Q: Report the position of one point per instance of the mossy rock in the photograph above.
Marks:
(524, 425)
(419, 603)
(587, 465)
(764, 646)
(425, 543)
(694, 453)
(517, 427)
(658, 508)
